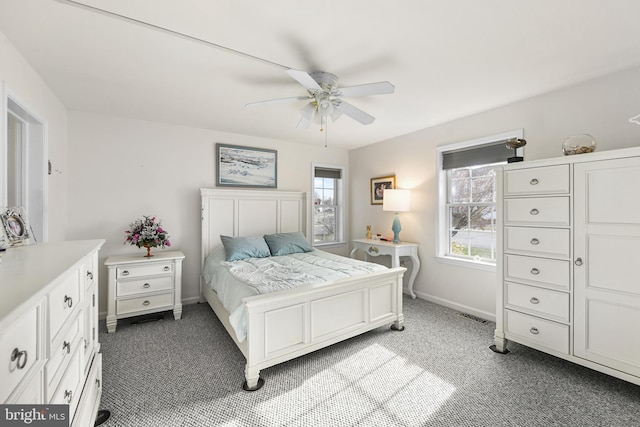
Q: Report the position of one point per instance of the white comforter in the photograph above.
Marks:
(236, 280)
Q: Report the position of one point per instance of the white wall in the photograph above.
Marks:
(30, 90)
(121, 169)
(599, 107)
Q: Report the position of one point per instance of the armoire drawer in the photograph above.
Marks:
(544, 271)
(539, 301)
(537, 330)
(143, 303)
(554, 242)
(19, 350)
(541, 180)
(144, 270)
(537, 211)
(62, 348)
(149, 284)
(70, 387)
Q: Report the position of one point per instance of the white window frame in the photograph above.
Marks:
(340, 203)
(442, 225)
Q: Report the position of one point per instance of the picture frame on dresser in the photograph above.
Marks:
(15, 227)
(238, 166)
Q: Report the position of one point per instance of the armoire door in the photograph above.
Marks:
(607, 263)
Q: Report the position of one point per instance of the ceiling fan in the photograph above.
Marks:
(326, 99)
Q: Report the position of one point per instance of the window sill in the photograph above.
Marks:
(477, 265)
(329, 244)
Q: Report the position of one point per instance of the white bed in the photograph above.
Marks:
(286, 324)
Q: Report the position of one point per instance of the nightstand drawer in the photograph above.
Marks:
(547, 241)
(147, 269)
(537, 210)
(541, 180)
(538, 270)
(539, 331)
(151, 284)
(545, 302)
(142, 304)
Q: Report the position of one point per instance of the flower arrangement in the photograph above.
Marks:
(148, 233)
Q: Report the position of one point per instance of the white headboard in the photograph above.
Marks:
(250, 213)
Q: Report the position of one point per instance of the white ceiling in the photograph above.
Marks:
(447, 59)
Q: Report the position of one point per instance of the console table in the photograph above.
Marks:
(396, 250)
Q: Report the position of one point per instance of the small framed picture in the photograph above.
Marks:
(14, 225)
(246, 166)
(378, 185)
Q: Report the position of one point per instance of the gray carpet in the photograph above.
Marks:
(439, 371)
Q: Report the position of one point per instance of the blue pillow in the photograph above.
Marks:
(287, 243)
(237, 248)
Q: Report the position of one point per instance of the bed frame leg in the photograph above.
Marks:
(253, 381)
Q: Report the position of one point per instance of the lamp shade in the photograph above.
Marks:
(396, 200)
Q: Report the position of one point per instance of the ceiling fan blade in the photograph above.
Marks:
(354, 112)
(379, 88)
(277, 101)
(304, 79)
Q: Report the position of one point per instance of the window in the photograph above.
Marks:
(328, 209)
(467, 211)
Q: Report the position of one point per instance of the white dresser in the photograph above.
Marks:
(140, 285)
(49, 327)
(569, 238)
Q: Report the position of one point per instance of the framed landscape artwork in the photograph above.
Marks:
(378, 185)
(238, 166)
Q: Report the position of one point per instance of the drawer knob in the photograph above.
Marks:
(534, 211)
(534, 330)
(125, 272)
(20, 357)
(146, 285)
(66, 345)
(68, 396)
(147, 302)
(535, 271)
(578, 262)
(535, 241)
(373, 250)
(534, 300)
(534, 181)
(90, 275)
(166, 268)
(68, 301)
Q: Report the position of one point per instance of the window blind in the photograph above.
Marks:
(327, 173)
(494, 152)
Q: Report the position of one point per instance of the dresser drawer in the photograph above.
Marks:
(542, 180)
(546, 271)
(147, 269)
(545, 302)
(539, 331)
(152, 284)
(144, 303)
(70, 387)
(541, 241)
(18, 350)
(63, 301)
(537, 210)
(62, 349)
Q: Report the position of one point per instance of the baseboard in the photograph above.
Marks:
(458, 307)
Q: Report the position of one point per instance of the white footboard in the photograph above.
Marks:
(288, 324)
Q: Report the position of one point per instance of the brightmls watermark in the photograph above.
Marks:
(34, 415)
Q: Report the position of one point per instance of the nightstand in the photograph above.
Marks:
(140, 285)
(395, 250)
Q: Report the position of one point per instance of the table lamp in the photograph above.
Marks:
(396, 201)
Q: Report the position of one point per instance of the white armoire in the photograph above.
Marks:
(569, 259)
